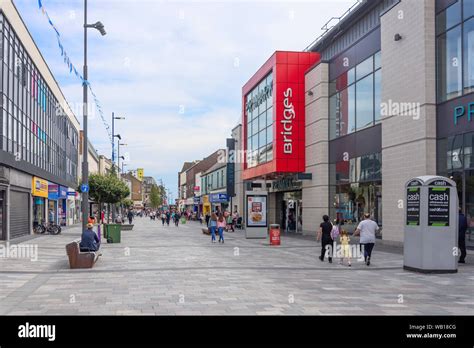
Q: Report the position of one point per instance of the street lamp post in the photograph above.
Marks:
(113, 138)
(118, 154)
(85, 150)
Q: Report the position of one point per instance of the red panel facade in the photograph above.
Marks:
(288, 70)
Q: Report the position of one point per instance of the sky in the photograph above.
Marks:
(173, 69)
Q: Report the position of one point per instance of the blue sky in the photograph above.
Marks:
(174, 69)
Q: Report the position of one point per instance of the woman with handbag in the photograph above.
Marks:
(324, 234)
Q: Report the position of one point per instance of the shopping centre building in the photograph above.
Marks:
(39, 136)
(385, 95)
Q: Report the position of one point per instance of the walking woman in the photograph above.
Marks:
(221, 225)
(213, 226)
(324, 234)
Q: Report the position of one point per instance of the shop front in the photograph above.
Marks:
(219, 202)
(73, 206)
(39, 191)
(274, 134)
(206, 205)
(53, 196)
(289, 204)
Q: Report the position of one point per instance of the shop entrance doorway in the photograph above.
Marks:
(291, 212)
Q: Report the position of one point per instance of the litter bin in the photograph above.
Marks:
(113, 233)
(274, 234)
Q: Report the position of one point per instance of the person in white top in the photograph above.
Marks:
(367, 229)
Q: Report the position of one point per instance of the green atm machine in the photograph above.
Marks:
(431, 225)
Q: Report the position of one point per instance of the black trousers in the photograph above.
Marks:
(462, 247)
(368, 247)
(325, 242)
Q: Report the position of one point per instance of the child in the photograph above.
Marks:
(346, 248)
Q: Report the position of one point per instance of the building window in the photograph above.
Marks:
(355, 98)
(455, 50)
(259, 112)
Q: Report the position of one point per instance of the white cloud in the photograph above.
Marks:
(158, 55)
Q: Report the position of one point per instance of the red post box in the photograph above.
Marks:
(274, 234)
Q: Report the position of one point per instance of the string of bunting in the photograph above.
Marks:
(72, 68)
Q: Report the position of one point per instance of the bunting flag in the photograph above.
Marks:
(72, 68)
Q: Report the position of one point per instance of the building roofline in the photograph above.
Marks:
(353, 14)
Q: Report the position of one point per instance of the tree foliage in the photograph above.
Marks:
(156, 198)
(107, 189)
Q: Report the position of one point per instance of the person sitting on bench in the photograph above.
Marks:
(89, 240)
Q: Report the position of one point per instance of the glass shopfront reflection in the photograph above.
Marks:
(357, 189)
(456, 161)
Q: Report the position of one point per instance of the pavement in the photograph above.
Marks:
(158, 270)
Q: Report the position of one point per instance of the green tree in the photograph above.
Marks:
(155, 197)
(107, 189)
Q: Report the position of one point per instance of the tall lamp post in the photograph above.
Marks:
(123, 160)
(85, 151)
(118, 153)
(115, 136)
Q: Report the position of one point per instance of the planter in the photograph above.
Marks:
(127, 227)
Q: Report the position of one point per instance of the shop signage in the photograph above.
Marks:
(286, 184)
(259, 98)
(197, 200)
(39, 187)
(140, 174)
(460, 111)
(197, 188)
(53, 191)
(438, 206)
(218, 198)
(413, 206)
(62, 192)
(287, 121)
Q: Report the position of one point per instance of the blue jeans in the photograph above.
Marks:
(213, 232)
(221, 233)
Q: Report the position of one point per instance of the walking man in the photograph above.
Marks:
(366, 230)
(130, 217)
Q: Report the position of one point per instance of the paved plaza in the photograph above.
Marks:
(172, 270)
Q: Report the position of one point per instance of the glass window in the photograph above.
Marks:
(262, 138)
(348, 116)
(269, 116)
(365, 102)
(468, 8)
(378, 60)
(255, 126)
(262, 121)
(365, 68)
(449, 64)
(378, 95)
(270, 135)
(469, 56)
(351, 76)
(448, 18)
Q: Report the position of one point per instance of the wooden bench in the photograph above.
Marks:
(78, 258)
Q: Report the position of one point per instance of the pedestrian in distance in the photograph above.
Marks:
(207, 219)
(163, 218)
(462, 228)
(168, 217)
(366, 230)
(212, 224)
(221, 225)
(176, 219)
(130, 217)
(345, 246)
(201, 218)
(324, 235)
